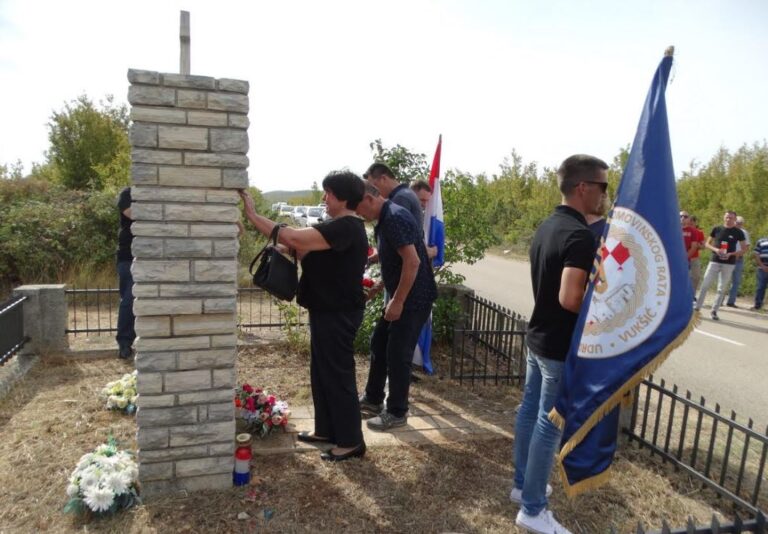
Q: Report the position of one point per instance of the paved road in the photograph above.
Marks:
(725, 362)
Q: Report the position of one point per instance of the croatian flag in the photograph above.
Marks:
(434, 235)
(638, 304)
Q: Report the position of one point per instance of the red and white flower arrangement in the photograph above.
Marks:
(261, 411)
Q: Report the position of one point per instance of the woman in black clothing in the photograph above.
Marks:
(333, 257)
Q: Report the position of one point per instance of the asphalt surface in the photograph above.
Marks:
(726, 362)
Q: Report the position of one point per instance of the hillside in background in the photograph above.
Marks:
(285, 196)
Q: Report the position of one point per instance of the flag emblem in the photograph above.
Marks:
(631, 288)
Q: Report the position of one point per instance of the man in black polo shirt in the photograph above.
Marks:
(411, 287)
(383, 179)
(561, 255)
(125, 319)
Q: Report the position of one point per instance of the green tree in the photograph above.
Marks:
(89, 146)
(317, 195)
(405, 164)
(14, 171)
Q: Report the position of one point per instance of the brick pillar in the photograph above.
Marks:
(45, 318)
(188, 142)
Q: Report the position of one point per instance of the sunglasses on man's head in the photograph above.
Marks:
(603, 185)
(683, 215)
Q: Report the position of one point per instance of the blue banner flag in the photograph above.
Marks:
(638, 306)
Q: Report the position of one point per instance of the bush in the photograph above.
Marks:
(373, 310)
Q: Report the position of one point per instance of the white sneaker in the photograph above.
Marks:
(544, 523)
(516, 495)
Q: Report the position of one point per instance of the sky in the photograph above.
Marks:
(545, 79)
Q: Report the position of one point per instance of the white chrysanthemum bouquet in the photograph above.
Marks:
(103, 482)
(121, 394)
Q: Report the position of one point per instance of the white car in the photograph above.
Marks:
(314, 216)
(285, 211)
(298, 214)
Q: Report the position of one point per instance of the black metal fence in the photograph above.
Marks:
(94, 310)
(491, 347)
(727, 456)
(756, 525)
(11, 328)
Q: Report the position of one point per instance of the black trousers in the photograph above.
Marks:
(332, 374)
(392, 346)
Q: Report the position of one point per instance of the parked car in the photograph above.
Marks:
(313, 216)
(285, 211)
(278, 205)
(298, 214)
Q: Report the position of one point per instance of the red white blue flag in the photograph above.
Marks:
(434, 235)
(638, 305)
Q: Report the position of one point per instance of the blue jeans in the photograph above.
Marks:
(738, 268)
(762, 281)
(392, 345)
(125, 319)
(536, 438)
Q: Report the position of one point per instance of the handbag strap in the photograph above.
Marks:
(272, 237)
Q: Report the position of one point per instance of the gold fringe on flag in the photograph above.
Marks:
(622, 395)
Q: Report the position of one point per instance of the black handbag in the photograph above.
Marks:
(276, 274)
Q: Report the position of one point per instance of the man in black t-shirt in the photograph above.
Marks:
(726, 243)
(561, 255)
(409, 282)
(125, 319)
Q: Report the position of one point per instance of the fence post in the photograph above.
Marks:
(45, 318)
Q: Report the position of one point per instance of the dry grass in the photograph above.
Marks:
(54, 415)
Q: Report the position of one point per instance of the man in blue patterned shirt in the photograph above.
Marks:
(761, 257)
(408, 280)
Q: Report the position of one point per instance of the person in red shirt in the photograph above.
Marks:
(694, 242)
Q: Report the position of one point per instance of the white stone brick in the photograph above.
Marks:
(218, 482)
(228, 102)
(153, 114)
(149, 383)
(146, 290)
(151, 96)
(143, 76)
(181, 436)
(222, 196)
(213, 230)
(190, 177)
(218, 323)
(201, 213)
(208, 118)
(186, 80)
(229, 140)
(177, 453)
(153, 326)
(175, 415)
(224, 341)
(159, 229)
(235, 178)
(152, 438)
(143, 174)
(211, 395)
(160, 271)
(214, 271)
(143, 135)
(214, 160)
(198, 290)
(220, 305)
(147, 247)
(222, 449)
(187, 248)
(156, 361)
(224, 377)
(204, 466)
(155, 471)
(160, 306)
(181, 381)
(237, 120)
(221, 412)
(186, 137)
(226, 248)
(160, 157)
(156, 401)
(234, 86)
(142, 211)
(174, 194)
(197, 359)
(191, 99)
(152, 344)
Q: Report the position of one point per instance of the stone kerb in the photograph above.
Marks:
(188, 149)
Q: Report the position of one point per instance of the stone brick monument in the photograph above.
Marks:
(189, 142)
